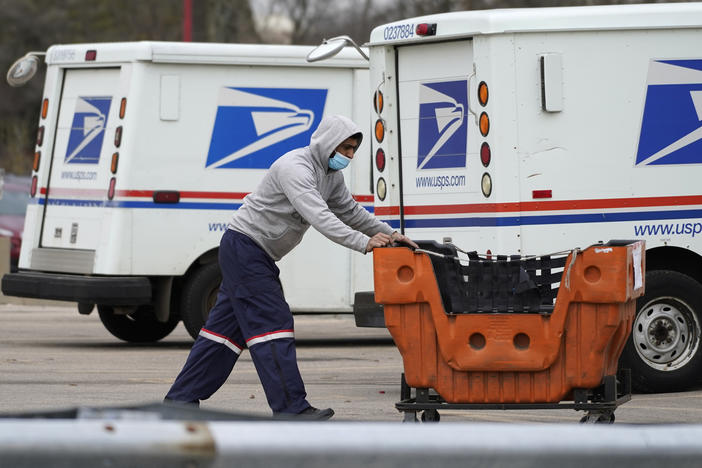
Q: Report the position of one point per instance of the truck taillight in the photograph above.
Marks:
(111, 188)
(115, 160)
(485, 154)
(484, 124)
(118, 136)
(380, 159)
(122, 107)
(44, 108)
(486, 184)
(381, 189)
(40, 135)
(426, 29)
(378, 101)
(37, 157)
(33, 187)
(483, 93)
(379, 130)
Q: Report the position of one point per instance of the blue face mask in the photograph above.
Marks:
(338, 161)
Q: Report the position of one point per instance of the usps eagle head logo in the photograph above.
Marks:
(671, 126)
(255, 126)
(87, 130)
(443, 126)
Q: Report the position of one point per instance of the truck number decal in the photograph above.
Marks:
(399, 31)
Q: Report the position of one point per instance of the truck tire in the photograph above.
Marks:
(198, 296)
(663, 350)
(141, 326)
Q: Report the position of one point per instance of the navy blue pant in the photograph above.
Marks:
(250, 312)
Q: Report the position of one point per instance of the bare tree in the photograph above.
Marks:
(230, 21)
(37, 24)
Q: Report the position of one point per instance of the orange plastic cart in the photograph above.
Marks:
(511, 332)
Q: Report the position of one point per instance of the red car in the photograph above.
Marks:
(13, 205)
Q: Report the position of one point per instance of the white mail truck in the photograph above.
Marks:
(143, 152)
(529, 131)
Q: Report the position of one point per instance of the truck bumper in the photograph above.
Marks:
(110, 290)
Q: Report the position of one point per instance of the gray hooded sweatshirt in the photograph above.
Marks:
(300, 190)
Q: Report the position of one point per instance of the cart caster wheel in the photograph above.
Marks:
(430, 415)
(410, 417)
(598, 417)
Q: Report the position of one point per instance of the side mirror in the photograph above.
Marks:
(330, 47)
(23, 69)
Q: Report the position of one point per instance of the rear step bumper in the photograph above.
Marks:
(110, 290)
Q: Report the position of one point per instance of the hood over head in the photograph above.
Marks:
(332, 130)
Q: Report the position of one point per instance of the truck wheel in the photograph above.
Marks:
(663, 351)
(141, 326)
(198, 297)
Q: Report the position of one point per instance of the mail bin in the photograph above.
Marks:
(509, 329)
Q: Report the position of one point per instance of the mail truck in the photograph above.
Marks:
(531, 131)
(145, 149)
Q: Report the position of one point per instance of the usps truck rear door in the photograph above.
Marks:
(80, 166)
(438, 143)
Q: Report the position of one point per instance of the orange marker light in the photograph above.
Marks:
(37, 157)
(379, 130)
(484, 124)
(44, 108)
(483, 93)
(122, 108)
(115, 160)
(378, 101)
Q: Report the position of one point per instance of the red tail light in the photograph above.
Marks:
(111, 189)
(380, 159)
(426, 29)
(485, 154)
(33, 188)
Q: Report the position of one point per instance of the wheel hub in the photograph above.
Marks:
(665, 334)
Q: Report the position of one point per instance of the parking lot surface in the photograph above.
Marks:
(52, 358)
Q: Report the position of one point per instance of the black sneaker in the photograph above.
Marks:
(311, 414)
(318, 414)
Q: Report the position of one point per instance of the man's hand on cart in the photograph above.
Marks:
(383, 240)
(403, 241)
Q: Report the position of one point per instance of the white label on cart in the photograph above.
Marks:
(638, 274)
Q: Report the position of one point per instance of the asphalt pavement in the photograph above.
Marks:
(52, 358)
